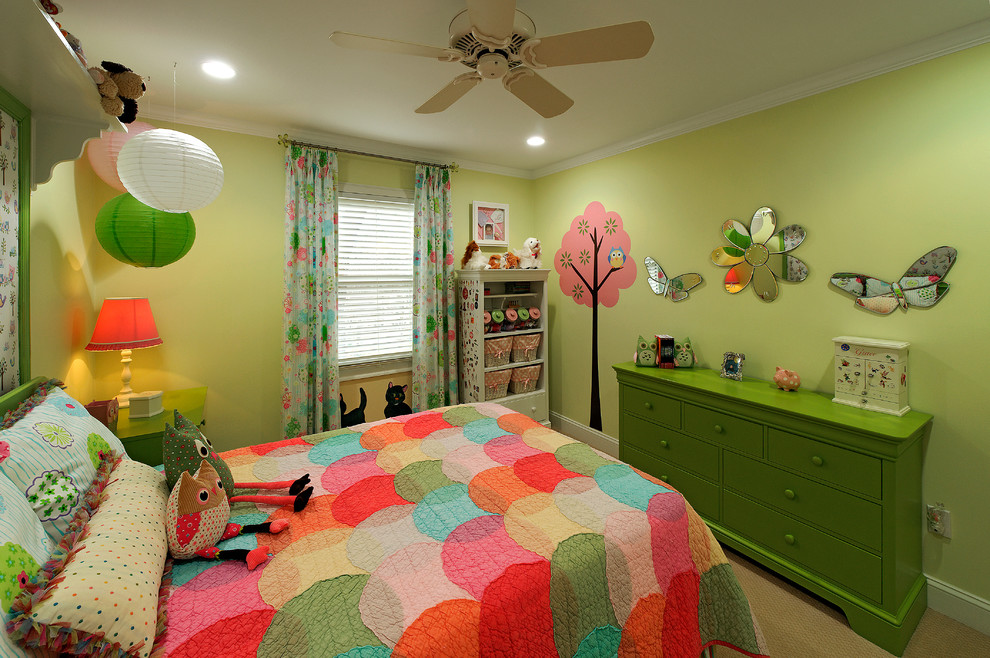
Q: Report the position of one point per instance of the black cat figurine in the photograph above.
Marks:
(395, 398)
(355, 416)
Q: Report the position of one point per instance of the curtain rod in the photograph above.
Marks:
(283, 140)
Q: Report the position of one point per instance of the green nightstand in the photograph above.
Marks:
(142, 437)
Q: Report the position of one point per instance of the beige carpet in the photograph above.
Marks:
(797, 624)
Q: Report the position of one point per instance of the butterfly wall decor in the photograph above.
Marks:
(922, 285)
(676, 288)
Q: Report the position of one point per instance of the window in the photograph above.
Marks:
(374, 274)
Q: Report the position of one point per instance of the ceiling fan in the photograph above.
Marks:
(496, 40)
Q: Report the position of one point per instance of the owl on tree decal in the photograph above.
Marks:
(594, 265)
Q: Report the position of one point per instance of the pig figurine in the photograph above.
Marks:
(786, 379)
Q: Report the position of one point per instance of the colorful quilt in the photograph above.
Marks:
(463, 531)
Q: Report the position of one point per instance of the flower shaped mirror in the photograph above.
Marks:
(759, 254)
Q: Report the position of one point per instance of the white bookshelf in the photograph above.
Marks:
(503, 288)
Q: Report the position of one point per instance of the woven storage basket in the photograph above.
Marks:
(497, 384)
(497, 351)
(524, 379)
(524, 347)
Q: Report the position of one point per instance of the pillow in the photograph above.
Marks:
(24, 548)
(51, 448)
(100, 592)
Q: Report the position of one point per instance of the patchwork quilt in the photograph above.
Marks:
(463, 531)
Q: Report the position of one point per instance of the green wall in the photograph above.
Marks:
(877, 172)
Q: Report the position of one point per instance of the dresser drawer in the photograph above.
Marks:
(724, 429)
(845, 468)
(658, 408)
(836, 511)
(701, 494)
(671, 446)
(853, 568)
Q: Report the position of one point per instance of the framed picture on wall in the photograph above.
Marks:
(490, 224)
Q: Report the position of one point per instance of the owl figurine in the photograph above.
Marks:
(684, 356)
(616, 257)
(184, 447)
(646, 352)
(197, 515)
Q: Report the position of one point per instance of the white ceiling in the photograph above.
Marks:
(711, 60)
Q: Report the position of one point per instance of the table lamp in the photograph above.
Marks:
(124, 323)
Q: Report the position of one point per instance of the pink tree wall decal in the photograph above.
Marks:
(594, 265)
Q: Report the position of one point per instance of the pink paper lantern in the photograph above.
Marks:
(103, 152)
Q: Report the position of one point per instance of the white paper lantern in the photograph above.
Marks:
(170, 171)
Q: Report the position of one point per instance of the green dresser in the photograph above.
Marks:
(824, 494)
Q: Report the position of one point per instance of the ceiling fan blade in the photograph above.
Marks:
(446, 97)
(362, 42)
(599, 44)
(492, 20)
(536, 92)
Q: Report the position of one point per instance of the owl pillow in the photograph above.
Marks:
(684, 356)
(646, 353)
(196, 518)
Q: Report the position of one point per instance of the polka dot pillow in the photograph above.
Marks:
(100, 594)
(24, 549)
(51, 453)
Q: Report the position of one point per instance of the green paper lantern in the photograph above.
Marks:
(143, 236)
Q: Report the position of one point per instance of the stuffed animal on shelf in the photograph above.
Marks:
(511, 261)
(184, 447)
(494, 262)
(197, 515)
(474, 258)
(120, 88)
(529, 255)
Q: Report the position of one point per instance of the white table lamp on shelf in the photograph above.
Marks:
(125, 324)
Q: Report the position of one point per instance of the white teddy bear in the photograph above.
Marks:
(529, 255)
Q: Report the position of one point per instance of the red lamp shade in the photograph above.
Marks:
(124, 323)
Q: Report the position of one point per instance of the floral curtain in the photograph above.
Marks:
(434, 360)
(309, 341)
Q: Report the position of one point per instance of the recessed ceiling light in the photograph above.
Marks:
(535, 140)
(218, 70)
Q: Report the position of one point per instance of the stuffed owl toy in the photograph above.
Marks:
(197, 515)
(684, 356)
(184, 447)
(647, 352)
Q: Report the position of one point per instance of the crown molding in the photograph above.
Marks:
(332, 140)
(944, 44)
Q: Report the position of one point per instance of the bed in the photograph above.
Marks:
(460, 531)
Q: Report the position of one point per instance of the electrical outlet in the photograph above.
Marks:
(939, 520)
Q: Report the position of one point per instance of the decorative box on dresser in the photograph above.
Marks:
(505, 289)
(828, 496)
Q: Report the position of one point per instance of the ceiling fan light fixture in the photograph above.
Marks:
(217, 69)
(492, 65)
(536, 140)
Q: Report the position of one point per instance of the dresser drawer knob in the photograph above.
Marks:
(663, 443)
(817, 461)
(718, 429)
(789, 540)
(789, 494)
(649, 405)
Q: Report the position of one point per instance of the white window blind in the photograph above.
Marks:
(374, 276)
